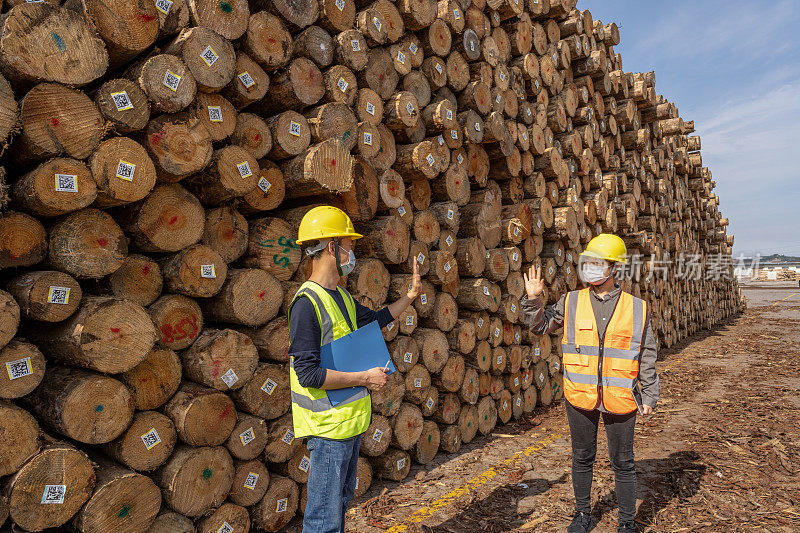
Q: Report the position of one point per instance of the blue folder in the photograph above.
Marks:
(361, 350)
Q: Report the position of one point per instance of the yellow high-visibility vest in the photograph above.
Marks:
(584, 374)
(312, 412)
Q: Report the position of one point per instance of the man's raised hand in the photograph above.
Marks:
(534, 285)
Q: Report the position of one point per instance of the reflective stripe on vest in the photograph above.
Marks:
(622, 343)
(312, 412)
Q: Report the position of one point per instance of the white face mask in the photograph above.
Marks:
(350, 265)
(593, 273)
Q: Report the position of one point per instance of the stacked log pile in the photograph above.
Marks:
(160, 156)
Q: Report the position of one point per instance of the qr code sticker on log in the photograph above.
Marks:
(125, 170)
(401, 463)
(54, 494)
(377, 435)
(230, 378)
(66, 183)
(244, 169)
(122, 101)
(171, 80)
(209, 56)
(408, 357)
(151, 439)
(281, 506)
(58, 295)
(225, 528)
(269, 386)
(251, 481)
(305, 463)
(215, 113)
(370, 108)
(164, 6)
(247, 436)
(288, 437)
(19, 368)
(264, 184)
(429, 403)
(208, 271)
(246, 79)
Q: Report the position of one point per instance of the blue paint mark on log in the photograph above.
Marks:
(59, 41)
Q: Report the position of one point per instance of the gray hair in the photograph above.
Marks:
(315, 249)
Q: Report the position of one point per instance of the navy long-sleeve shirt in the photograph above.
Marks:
(305, 335)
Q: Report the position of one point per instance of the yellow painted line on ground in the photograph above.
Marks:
(436, 505)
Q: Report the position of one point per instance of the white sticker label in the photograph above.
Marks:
(342, 84)
(356, 483)
(430, 160)
(413, 48)
(401, 210)
(367, 138)
(447, 266)
(264, 184)
(225, 528)
(377, 23)
(269, 386)
(121, 99)
(440, 138)
(456, 14)
(514, 256)
(477, 126)
(401, 463)
(486, 290)
(401, 57)
(410, 108)
(499, 359)
(164, 6)
(541, 376)
(471, 46)
(339, 4)
(537, 351)
(505, 405)
(215, 113)
(429, 404)
(305, 463)
(460, 157)
(449, 240)
(420, 258)
(294, 128)
(438, 68)
(417, 382)
(480, 322)
(410, 320)
(538, 223)
(555, 365)
(499, 97)
(370, 109)
(125, 170)
(513, 308)
(19, 368)
(377, 435)
(517, 336)
(151, 439)
(209, 56)
(208, 271)
(449, 114)
(356, 45)
(66, 183)
(246, 79)
(251, 481)
(281, 506)
(288, 437)
(497, 334)
(408, 357)
(390, 327)
(247, 436)
(516, 381)
(171, 80)
(454, 136)
(519, 402)
(54, 494)
(230, 378)
(58, 295)
(450, 214)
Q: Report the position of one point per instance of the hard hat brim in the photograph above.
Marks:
(353, 235)
(589, 253)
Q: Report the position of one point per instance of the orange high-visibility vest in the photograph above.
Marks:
(612, 364)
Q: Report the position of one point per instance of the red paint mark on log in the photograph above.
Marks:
(225, 412)
(102, 241)
(229, 234)
(156, 138)
(146, 270)
(271, 40)
(173, 220)
(144, 17)
(115, 330)
(261, 294)
(54, 122)
(257, 137)
(390, 233)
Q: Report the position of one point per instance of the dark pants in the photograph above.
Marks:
(619, 431)
(331, 483)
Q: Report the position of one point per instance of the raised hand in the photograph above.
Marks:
(534, 285)
(416, 283)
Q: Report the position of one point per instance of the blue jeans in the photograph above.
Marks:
(331, 483)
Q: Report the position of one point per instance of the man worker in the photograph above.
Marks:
(320, 313)
(608, 346)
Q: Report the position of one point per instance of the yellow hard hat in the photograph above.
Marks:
(607, 246)
(325, 222)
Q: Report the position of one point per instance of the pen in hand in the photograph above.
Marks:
(386, 368)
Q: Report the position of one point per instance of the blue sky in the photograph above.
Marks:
(733, 68)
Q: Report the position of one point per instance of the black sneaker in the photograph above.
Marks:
(581, 523)
(626, 527)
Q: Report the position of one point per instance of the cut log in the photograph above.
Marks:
(84, 406)
(177, 319)
(153, 381)
(23, 240)
(299, 85)
(427, 445)
(170, 521)
(393, 465)
(387, 400)
(281, 444)
(323, 168)
(48, 296)
(24, 368)
(232, 172)
(315, 43)
(202, 416)
(195, 479)
(20, 435)
(123, 171)
(248, 438)
(266, 395)
(180, 145)
(222, 359)
(268, 41)
(166, 80)
(434, 348)
(249, 297)
(270, 191)
(272, 247)
(59, 474)
(209, 57)
(272, 339)
(386, 238)
(250, 84)
(197, 271)
(56, 187)
(216, 113)
(228, 515)
(278, 506)
(228, 18)
(250, 482)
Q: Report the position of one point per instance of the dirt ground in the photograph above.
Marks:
(721, 452)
